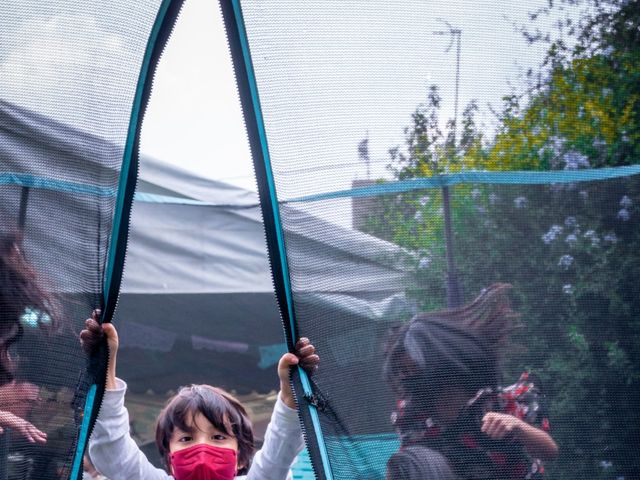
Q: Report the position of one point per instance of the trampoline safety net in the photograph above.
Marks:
(479, 163)
(69, 86)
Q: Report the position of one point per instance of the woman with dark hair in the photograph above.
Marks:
(20, 293)
(444, 368)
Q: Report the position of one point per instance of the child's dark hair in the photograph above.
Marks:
(224, 412)
(489, 315)
(20, 288)
(461, 347)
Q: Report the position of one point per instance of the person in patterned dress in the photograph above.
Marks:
(444, 368)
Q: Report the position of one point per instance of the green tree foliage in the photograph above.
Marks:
(571, 251)
(589, 100)
(430, 150)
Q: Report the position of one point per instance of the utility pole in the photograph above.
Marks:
(363, 154)
(454, 290)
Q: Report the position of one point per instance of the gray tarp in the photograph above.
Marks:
(197, 290)
(197, 303)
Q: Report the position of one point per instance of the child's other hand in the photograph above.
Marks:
(91, 337)
(306, 357)
(500, 425)
(21, 426)
(537, 442)
(93, 333)
(18, 398)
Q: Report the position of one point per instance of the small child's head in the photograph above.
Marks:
(436, 364)
(443, 358)
(204, 429)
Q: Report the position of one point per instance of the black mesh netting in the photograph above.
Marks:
(69, 73)
(554, 272)
(491, 327)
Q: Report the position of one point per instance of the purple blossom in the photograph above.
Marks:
(557, 144)
(571, 240)
(424, 200)
(574, 160)
(624, 214)
(475, 193)
(567, 289)
(626, 202)
(570, 222)
(593, 236)
(611, 238)
(493, 198)
(552, 234)
(565, 261)
(418, 216)
(607, 51)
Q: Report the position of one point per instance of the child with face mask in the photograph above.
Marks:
(203, 433)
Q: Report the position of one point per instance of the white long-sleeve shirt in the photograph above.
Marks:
(115, 454)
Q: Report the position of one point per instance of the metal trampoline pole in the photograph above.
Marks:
(454, 293)
(4, 455)
(22, 215)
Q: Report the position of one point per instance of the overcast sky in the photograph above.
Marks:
(330, 73)
(194, 118)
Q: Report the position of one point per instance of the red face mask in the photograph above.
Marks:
(204, 462)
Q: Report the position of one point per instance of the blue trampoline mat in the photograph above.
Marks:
(384, 445)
